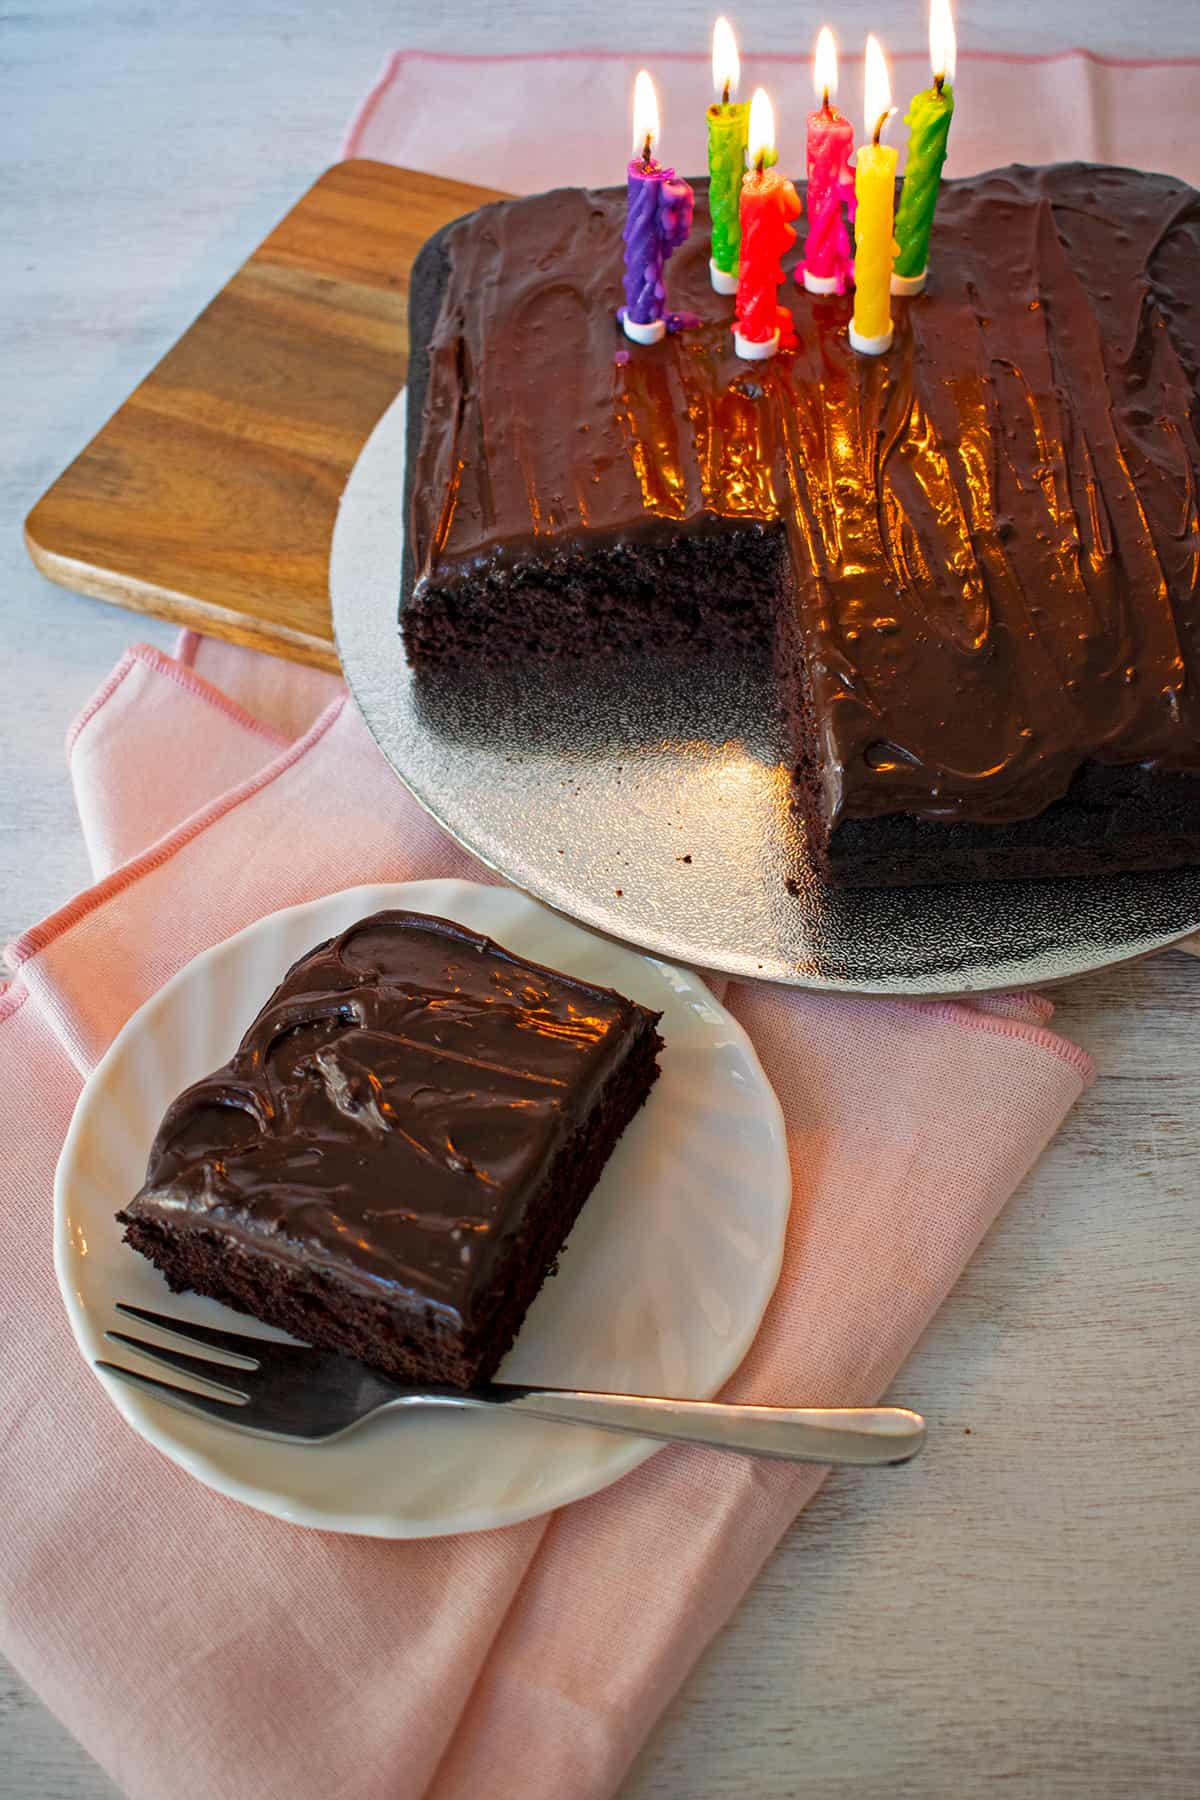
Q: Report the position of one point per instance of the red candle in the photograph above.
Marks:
(769, 203)
(827, 266)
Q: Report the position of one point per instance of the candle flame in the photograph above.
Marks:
(877, 89)
(762, 128)
(943, 45)
(645, 115)
(727, 66)
(825, 64)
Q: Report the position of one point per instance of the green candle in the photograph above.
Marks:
(728, 129)
(928, 119)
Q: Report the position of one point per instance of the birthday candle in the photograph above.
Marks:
(769, 204)
(657, 222)
(728, 123)
(827, 267)
(928, 119)
(875, 191)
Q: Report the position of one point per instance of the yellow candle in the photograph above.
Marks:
(875, 193)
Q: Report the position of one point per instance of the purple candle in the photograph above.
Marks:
(658, 221)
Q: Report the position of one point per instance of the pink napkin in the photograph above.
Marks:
(202, 1650)
(565, 116)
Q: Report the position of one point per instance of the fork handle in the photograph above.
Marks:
(860, 1435)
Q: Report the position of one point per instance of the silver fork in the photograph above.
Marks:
(289, 1391)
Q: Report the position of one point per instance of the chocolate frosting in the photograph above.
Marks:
(392, 1109)
(993, 530)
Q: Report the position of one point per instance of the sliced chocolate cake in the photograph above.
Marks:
(975, 560)
(390, 1164)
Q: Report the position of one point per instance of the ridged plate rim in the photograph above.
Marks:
(700, 1307)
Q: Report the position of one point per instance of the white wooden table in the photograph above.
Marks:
(1021, 1607)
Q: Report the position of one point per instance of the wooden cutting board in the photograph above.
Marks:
(209, 497)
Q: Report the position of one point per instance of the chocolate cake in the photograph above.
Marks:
(391, 1162)
(975, 559)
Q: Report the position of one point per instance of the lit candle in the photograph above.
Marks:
(827, 266)
(728, 124)
(769, 202)
(928, 119)
(657, 222)
(875, 193)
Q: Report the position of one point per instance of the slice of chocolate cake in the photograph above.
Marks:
(390, 1164)
(975, 560)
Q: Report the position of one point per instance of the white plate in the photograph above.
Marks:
(662, 1285)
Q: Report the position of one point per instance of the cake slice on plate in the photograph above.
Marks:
(391, 1162)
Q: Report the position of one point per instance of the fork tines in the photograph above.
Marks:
(223, 1397)
(258, 1384)
(236, 1344)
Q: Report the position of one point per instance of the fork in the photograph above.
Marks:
(291, 1392)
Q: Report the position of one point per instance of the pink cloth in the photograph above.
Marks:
(199, 1649)
(566, 115)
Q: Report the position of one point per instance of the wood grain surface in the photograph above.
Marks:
(209, 497)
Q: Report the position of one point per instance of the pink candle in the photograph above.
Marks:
(827, 266)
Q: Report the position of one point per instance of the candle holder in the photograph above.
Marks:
(722, 282)
(908, 284)
(652, 332)
(755, 349)
(821, 284)
(871, 346)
